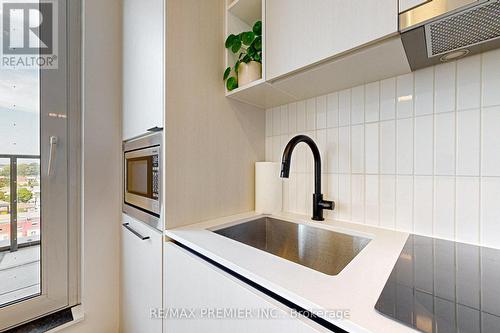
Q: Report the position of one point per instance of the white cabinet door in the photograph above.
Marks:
(194, 284)
(143, 66)
(141, 277)
(404, 5)
(300, 33)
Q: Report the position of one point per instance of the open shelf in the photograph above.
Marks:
(241, 16)
(261, 94)
(247, 86)
(249, 11)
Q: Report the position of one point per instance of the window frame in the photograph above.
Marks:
(28, 310)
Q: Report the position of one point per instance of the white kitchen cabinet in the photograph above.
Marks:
(405, 5)
(194, 284)
(142, 282)
(143, 66)
(301, 33)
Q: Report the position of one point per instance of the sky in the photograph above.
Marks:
(19, 112)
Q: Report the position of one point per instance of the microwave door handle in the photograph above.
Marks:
(52, 152)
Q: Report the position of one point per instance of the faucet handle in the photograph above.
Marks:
(330, 205)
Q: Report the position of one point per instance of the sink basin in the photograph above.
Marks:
(323, 250)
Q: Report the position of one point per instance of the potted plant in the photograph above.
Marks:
(248, 48)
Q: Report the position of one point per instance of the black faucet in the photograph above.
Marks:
(318, 203)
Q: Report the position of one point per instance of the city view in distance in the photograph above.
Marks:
(28, 197)
(20, 185)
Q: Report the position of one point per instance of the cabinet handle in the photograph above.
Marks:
(127, 226)
(52, 147)
(155, 129)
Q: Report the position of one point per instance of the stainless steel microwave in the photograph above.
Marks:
(142, 193)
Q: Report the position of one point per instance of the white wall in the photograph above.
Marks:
(102, 166)
(418, 152)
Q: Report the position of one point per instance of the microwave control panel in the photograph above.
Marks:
(156, 178)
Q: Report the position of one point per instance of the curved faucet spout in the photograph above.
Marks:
(318, 203)
(287, 159)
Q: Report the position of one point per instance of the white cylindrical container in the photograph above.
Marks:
(249, 72)
(268, 188)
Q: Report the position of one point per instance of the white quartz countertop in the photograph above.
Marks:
(356, 289)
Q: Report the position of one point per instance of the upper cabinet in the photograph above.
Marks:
(320, 46)
(143, 66)
(405, 5)
(301, 33)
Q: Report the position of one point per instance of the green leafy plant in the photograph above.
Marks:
(24, 195)
(248, 47)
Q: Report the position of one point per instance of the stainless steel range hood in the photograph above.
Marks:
(443, 30)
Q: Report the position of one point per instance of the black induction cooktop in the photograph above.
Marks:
(440, 286)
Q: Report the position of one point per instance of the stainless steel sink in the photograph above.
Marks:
(322, 250)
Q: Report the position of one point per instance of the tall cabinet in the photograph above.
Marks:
(143, 110)
(143, 66)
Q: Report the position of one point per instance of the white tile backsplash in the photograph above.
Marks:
(418, 152)
(423, 204)
(424, 141)
(372, 101)
(269, 122)
(404, 95)
(387, 201)
(358, 198)
(276, 121)
(344, 202)
(332, 150)
(321, 112)
(284, 119)
(469, 83)
(468, 142)
(388, 147)
(372, 201)
(467, 209)
(490, 141)
(344, 146)
(491, 78)
(332, 104)
(372, 148)
(444, 206)
(357, 149)
(404, 146)
(292, 118)
(444, 127)
(358, 105)
(388, 99)
(444, 87)
(490, 211)
(311, 114)
(301, 116)
(345, 107)
(424, 91)
(404, 203)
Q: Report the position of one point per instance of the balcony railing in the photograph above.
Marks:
(19, 201)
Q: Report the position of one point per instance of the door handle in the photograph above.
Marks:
(127, 226)
(52, 152)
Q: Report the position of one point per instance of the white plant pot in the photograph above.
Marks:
(249, 72)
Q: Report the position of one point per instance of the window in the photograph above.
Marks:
(39, 158)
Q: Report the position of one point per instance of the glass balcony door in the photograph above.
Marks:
(38, 141)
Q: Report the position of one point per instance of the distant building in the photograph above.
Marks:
(4, 207)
